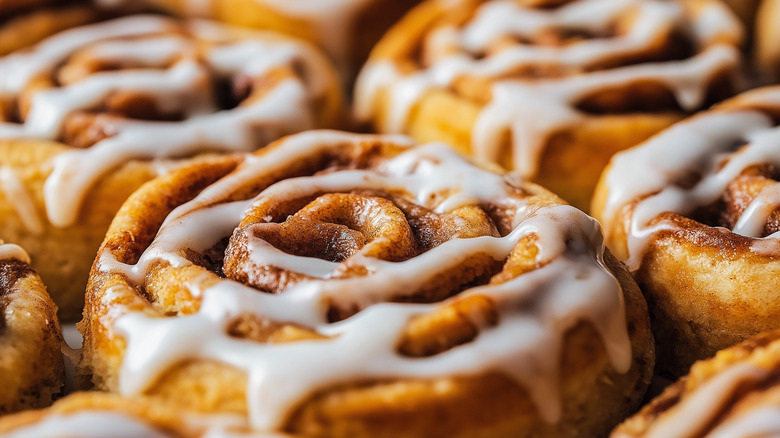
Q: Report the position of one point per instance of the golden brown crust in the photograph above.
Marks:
(482, 405)
(31, 364)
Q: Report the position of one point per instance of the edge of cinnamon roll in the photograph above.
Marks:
(735, 394)
(31, 363)
(692, 212)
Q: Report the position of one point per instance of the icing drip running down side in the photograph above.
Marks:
(171, 67)
(718, 146)
(21, 199)
(570, 285)
(532, 107)
(15, 252)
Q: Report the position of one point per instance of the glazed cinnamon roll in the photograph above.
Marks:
(736, 394)
(90, 114)
(100, 415)
(345, 29)
(335, 284)
(550, 88)
(31, 364)
(694, 212)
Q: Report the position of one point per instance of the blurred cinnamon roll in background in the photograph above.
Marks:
(31, 364)
(550, 88)
(89, 114)
(335, 284)
(345, 29)
(695, 213)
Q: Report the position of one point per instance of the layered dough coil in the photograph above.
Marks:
(345, 29)
(90, 114)
(736, 394)
(101, 415)
(25, 22)
(549, 88)
(31, 364)
(694, 212)
(334, 284)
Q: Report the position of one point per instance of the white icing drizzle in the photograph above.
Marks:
(572, 285)
(533, 109)
(182, 87)
(700, 407)
(753, 219)
(21, 200)
(12, 251)
(88, 424)
(702, 146)
(97, 423)
(763, 422)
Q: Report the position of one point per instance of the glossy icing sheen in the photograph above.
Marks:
(11, 251)
(107, 423)
(175, 72)
(533, 109)
(88, 424)
(571, 285)
(703, 145)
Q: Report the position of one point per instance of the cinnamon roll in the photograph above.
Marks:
(100, 415)
(345, 29)
(31, 364)
(90, 114)
(694, 213)
(337, 284)
(736, 394)
(550, 88)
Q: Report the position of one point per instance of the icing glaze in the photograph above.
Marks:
(705, 146)
(88, 424)
(12, 251)
(762, 422)
(699, 408)
(21, 199)
(175, 73)
(536, 309)
(533, 109)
